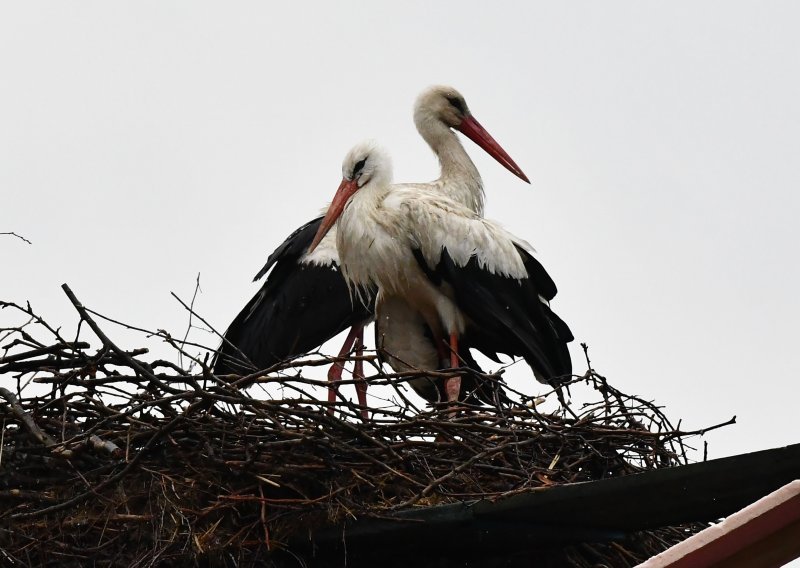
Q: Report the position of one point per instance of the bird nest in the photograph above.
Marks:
(108, 458)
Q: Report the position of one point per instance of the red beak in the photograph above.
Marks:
(473, 130)
(346, 190)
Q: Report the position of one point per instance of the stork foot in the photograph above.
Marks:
(452, 388)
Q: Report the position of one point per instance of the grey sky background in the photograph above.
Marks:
(142, 143)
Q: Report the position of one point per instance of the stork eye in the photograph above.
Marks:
(458, 104)
(359, 166)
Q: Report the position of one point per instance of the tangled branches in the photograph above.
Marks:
(105, 455)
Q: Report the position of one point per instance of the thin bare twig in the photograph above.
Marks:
(18, 236)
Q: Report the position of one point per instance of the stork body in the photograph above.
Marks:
(460, 274)
(304, 300)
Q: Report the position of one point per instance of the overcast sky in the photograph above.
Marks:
(142, 143)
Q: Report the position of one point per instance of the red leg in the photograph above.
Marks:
(454, 360)
(335, 372)
(358, 375)
(452, 386)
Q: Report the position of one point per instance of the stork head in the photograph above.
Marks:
(444, 105)
(367, 162)
(367, 165)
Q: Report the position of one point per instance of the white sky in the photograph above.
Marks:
(142, 143)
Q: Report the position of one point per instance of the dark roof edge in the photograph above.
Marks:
(703, 491)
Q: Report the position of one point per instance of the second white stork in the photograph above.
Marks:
(462, 274)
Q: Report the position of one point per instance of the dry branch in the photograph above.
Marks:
(13, 234)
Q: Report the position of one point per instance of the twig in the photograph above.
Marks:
(102, 336)
(31, 426)
(191, 314)
(18, 236)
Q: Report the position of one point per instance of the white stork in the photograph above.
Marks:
(461, 274)
(304, 301)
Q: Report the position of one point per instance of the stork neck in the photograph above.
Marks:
(356, 231)
(459, 179)
(359, 214)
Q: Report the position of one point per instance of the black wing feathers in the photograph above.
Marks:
(538, 275)
(507, 315)
(293, 247)
(299, 307)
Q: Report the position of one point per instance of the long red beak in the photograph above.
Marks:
(473, 130)
(346, 190)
